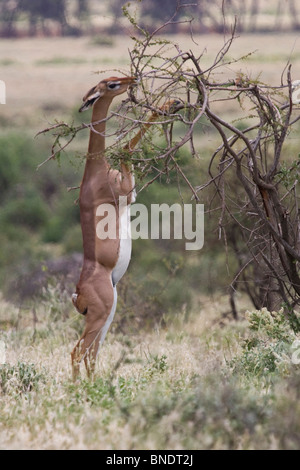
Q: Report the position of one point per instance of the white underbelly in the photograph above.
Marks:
(125, 246)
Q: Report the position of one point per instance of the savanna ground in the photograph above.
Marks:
(198, 380)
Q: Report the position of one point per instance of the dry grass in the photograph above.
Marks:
(55, 416)
(173, 388)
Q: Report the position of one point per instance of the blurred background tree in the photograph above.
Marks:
(32, 17)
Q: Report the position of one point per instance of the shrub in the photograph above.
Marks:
(267, 349)
(102, 40)
(20, 378)
(28, 210)
(66, 215)
(17, 157)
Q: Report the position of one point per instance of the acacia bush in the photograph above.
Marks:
(249, 180)
(254, 183)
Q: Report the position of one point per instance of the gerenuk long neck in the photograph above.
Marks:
(96, 147)
(95, 175)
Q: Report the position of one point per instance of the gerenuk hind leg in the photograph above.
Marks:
(99, 296)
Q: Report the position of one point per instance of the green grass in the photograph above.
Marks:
(6, 61)
(67, 61)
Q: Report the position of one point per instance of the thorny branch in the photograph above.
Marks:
(259, 218)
